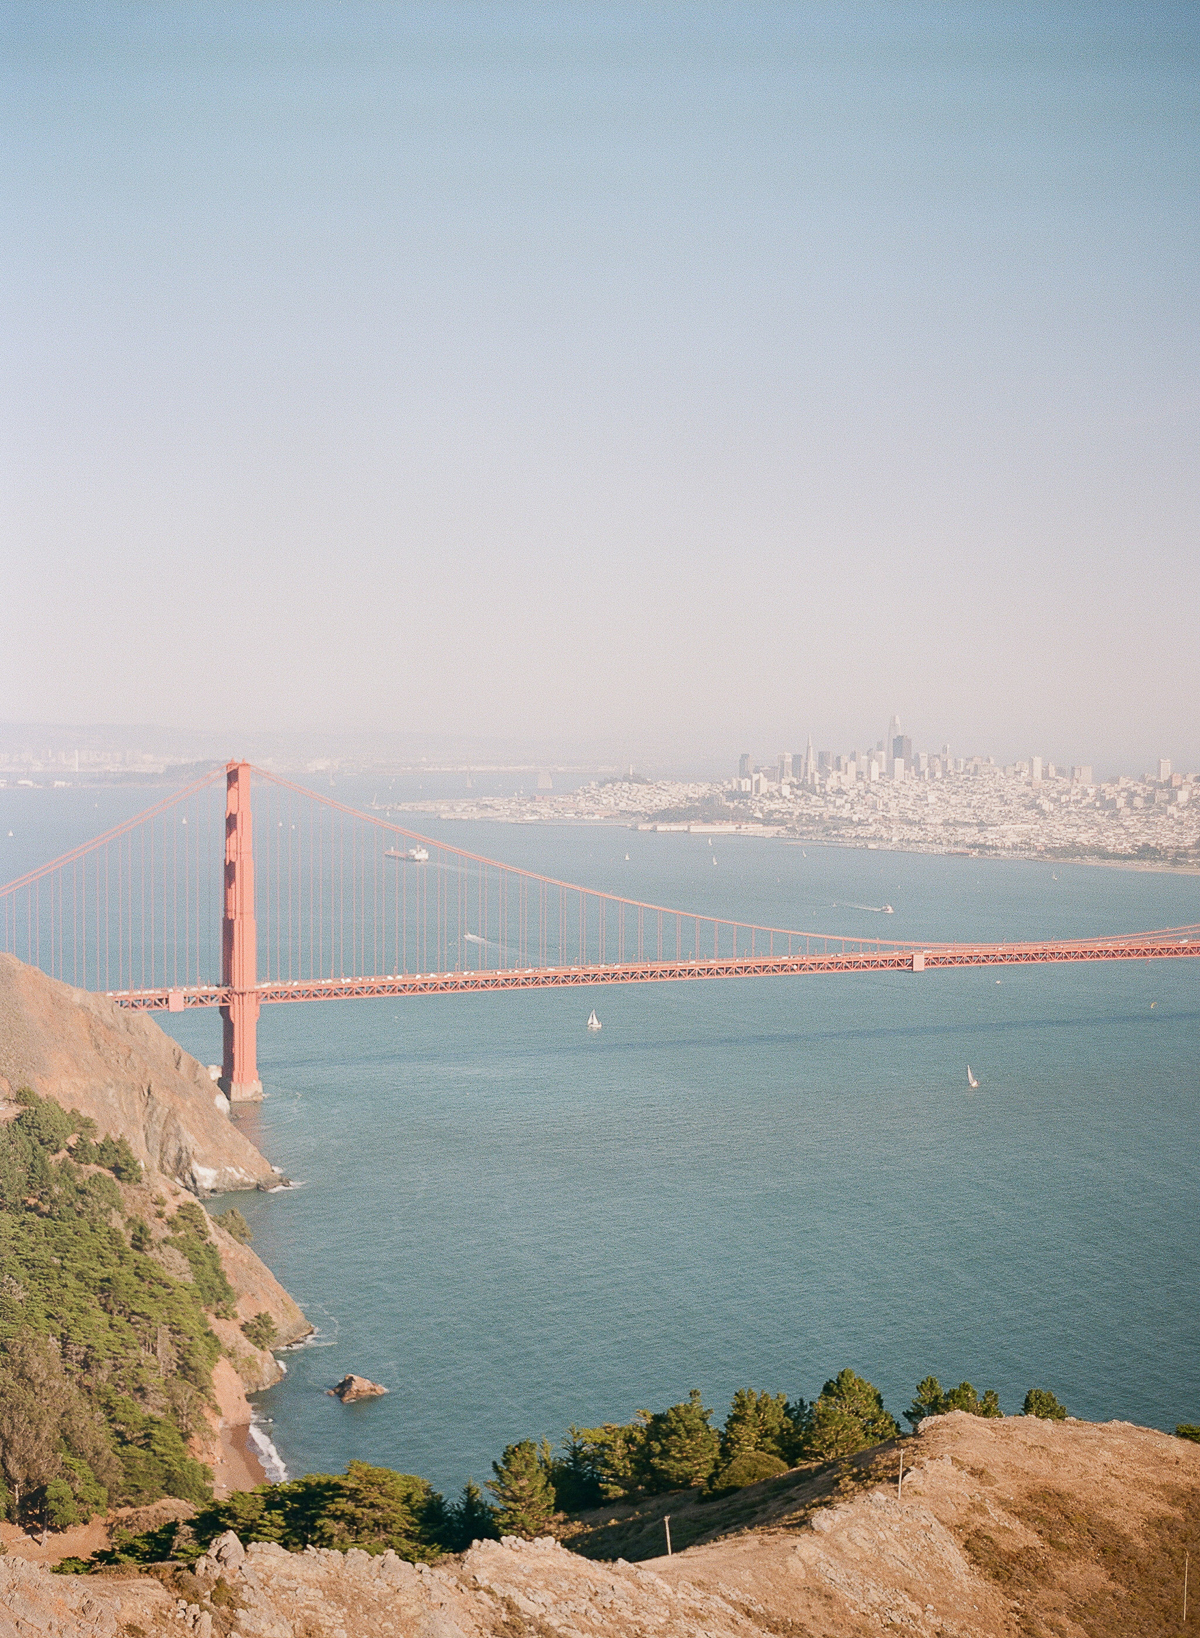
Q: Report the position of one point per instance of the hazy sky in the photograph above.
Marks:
(675, 378)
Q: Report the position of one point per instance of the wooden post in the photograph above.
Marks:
(900, 1480)
(667, 1527)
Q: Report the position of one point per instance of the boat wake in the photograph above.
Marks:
(875, 909)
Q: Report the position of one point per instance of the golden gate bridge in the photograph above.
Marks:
(202, 903)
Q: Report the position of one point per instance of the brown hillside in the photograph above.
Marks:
(118, 1067)
(1012, 1529)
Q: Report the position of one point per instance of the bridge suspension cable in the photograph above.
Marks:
(308, 898)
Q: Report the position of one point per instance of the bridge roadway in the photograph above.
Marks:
(1168, 944)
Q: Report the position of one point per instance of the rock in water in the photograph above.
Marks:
(354, 1387)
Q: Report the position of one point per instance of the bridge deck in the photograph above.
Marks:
(1148, 947)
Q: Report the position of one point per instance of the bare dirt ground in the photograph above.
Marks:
(1010, 1529)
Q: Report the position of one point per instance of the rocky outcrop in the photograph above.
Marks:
(132, 1079)
(354, 1387)
(1004, 1528)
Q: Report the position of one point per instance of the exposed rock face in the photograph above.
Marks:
(1005, 1529)
(134, 1081)
(354, 1387)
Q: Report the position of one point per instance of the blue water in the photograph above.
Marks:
(516, 1225)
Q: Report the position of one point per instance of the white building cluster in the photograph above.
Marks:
(932, 801)
(893, 795)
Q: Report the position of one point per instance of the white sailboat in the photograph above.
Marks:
(593, 1022)
(971, 1081)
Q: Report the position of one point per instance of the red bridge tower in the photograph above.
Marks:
(239, 944)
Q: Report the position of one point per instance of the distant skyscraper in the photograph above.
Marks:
(744, 765)
(889, 739)
(1164, 768)
(810, 764)
(1035, 767)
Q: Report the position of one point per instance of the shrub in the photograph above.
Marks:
(747, 1467)
(190, 1225)
(1040, 1402)
(369, 1507)
(932, 1400)
(60, 1509)
(92, 1331)
(261, 1330)
(1183, 1430)
(236, 1225)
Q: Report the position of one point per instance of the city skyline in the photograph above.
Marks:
(82, 748)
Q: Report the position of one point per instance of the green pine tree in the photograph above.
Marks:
(1041, 1402)
(848, 1416)
(525, 1503)
(934, 1400)
(680, 1448)
(756, 1422)
(467, 1520)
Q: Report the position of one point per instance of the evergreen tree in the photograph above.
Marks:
(467, 1520)
(1041, 1402)
(606, 1458)
(578, 1473)
(848, 1416)
(680, 1447)
(756, 1421)
(933, 1400)
(525, 1503)
(927, 1401)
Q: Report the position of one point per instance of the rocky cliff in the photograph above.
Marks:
(120, 1069)
(134, 1081)
(1004, 1529)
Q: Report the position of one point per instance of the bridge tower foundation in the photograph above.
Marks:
(239, 945)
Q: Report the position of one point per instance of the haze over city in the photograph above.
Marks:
(637, 383)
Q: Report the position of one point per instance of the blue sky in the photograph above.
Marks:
(675, 379)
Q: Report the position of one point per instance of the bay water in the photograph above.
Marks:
(515, 1224)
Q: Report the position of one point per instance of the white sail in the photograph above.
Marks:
(593, 1022)
(971, 1081)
